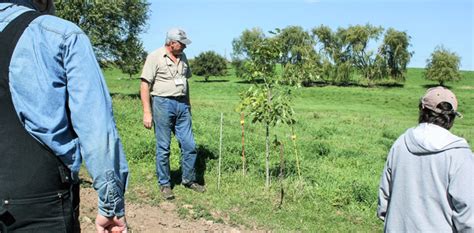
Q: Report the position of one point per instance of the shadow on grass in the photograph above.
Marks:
(391, 85)
(327, 84)
(258, 81)
(435, 85)
(204, 154)
(118, 95)
(352, 84)
(176, 177)
(212, 81)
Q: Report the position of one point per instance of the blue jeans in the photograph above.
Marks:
(173, 115)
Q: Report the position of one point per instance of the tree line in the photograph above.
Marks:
(362, 54)
(339, 57)
(345, 56)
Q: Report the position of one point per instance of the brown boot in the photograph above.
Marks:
(166, 192)
(195, 187)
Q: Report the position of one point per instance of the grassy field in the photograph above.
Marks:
(343, 136)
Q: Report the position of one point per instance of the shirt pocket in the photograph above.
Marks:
(165, 71)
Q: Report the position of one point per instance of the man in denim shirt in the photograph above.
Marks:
(165, 77)
(61, 99)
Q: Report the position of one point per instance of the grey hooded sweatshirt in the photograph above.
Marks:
(427, 184)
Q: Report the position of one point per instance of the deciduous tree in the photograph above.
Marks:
(295, 43)
(297, 53)
(209, 64)
(113, 27)
(241, 47)
(367, 61)
(268, 102)
(336, 63)
(443, 66)
(244, 44)
(131, 57)
(395, 52)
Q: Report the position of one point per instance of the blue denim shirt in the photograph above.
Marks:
(61, 98)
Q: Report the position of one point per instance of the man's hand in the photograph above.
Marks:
(110, 224)
(147, 120)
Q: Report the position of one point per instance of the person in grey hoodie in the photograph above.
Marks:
(427, 184)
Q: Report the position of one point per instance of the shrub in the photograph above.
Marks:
(443, 66)
(209, 64)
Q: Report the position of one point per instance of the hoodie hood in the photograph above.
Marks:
(27, 3)
(429, 138)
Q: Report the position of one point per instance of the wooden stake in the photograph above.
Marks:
(220, 154)
(242, 121)
(267, 156)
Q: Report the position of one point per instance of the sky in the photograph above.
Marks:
(213, 24)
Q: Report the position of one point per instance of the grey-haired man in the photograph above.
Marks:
(165, 79)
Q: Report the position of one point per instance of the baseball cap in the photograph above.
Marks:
(176, 34)
(436, 95)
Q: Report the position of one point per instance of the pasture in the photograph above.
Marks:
(343, 134)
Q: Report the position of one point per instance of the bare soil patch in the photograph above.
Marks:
(147, 218)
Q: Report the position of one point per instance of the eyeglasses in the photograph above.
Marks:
(182, 45)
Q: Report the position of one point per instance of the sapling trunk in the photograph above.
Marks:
(267, 140)
(282, 174)
(293, 138)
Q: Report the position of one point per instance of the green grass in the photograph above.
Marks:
(343, 136)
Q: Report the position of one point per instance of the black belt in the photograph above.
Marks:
(181, 97)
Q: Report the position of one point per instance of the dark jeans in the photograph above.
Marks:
(173, 115)
(53, 212)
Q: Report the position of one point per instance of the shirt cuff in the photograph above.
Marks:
(111, 197)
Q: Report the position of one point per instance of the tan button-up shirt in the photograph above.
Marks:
(166, 77)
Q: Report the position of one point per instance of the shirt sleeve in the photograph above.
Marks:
(384, 189)
(149, 68)
(461, 191)
(92, 119)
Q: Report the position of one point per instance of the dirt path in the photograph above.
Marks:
(147, 218)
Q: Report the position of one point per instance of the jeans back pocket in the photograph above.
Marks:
(43, 213)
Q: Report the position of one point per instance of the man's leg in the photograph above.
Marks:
(162, 118)
(184, 134)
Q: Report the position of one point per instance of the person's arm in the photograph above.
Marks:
(188, 98)
(384, 189)
(91, 117)
(461, 190)
(188, 75)
(147, 79)
(145, 97)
